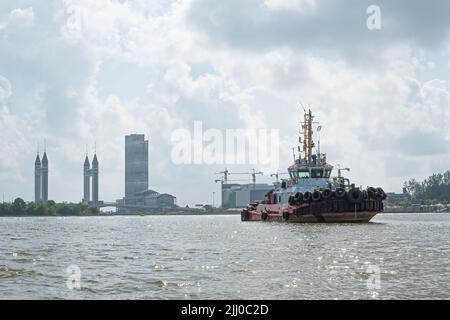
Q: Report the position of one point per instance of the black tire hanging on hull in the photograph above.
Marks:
(316, 196)
(354, 196)
(244, 215)
(327, 193)
(340, 193)
(307, 196)
(264, 215)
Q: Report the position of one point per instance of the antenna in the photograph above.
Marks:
(303, 107)
(95, 147)
(38, 147)
(45, 145)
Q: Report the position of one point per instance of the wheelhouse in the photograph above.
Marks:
(306, 172)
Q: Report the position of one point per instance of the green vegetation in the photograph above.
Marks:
(433, 190)
(402, 203)
(20, 208)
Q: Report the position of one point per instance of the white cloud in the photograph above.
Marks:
(24, 16)
(134, 66)
(19, 18)
(13, 133)
(5, 90)
(298, 5)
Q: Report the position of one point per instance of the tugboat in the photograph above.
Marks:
(311, 194)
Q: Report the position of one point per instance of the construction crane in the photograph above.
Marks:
(225, 175)
(253, 173)
(277, 175)
(222, 183)
(234, 180)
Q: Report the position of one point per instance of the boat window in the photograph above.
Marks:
(317, 173)
(303, 174)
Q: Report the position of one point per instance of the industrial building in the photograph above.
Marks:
(41, 179)
(239, 196)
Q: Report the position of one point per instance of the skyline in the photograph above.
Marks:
(99, 71)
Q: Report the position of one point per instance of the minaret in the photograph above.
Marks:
(87, 177)
(44, 177)
(37, 179)
(95, 181)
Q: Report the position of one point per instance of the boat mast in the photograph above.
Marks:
(308, 143)
(305, 136)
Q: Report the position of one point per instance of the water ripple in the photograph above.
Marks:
(400, 256)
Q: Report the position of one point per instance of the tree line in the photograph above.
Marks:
(434, 189)
(21, 208)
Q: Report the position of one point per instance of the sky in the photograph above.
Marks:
(79, 73)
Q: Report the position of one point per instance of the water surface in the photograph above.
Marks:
(220, 257)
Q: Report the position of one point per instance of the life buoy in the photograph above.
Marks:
(340, 192)
(354, 195)
(327, 193)
(307, 196)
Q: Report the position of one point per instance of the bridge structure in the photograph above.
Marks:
(132, 208)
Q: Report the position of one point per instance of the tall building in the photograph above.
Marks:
(89, 172)
(136, 164)
(138, 198)
(41, 179)
(95, 181)
(37, 179)
(86, 181)
(44, 178)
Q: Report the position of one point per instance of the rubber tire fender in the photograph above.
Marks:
(316, 196)
(307, 196)
(327, 193)
(340, 193)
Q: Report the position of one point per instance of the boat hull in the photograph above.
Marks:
(334, 212)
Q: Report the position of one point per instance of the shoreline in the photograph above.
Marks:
(131, 214)
(184, 214)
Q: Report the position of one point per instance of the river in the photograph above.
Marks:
(396, 256)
